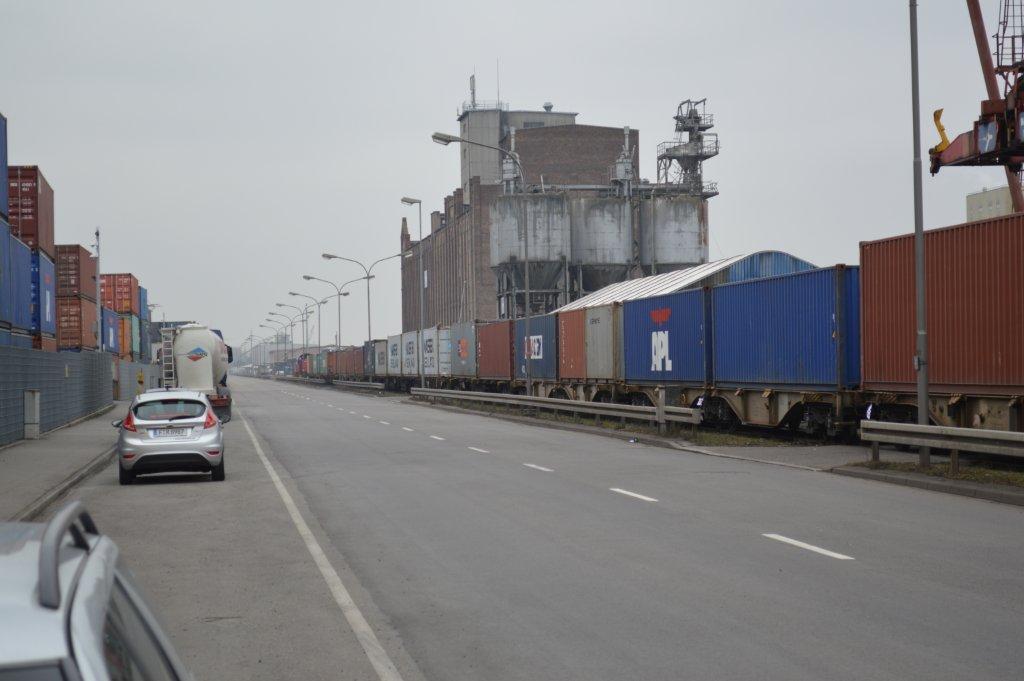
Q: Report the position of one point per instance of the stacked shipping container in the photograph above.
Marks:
(31, 208)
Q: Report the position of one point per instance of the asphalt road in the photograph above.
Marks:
(477, 548)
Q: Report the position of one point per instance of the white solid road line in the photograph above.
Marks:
(631, 494)
(437, 437)
(410, 430)
(539, 468)
(382, 664)
(477, 449)
(809, 547)
(384, 423)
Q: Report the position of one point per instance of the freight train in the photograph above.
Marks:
(814, 350)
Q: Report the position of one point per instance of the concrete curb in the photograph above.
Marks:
(40, 504)
(965, 488)
(640, 438)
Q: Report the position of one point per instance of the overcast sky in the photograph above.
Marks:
(222, 146)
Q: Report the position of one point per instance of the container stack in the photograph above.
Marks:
(121, 293)
(76, 298)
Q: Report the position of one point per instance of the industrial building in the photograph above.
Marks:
(591, 221)
(989, 203)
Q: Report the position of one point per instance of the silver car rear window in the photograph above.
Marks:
(159, 410)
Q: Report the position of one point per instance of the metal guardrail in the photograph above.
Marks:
(956, 440)
(660, 415)
(364, 385)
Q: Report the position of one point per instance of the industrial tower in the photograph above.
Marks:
(680, 161)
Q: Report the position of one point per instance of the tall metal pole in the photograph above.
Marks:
(369, 333)
(423, 383)
(338, 338)
(99, 296)
(921, 360)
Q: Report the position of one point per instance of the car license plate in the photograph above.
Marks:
(170, 432)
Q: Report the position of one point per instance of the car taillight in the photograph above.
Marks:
(129, 423)
(211, 420)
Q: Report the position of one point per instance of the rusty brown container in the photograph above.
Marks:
(120, 293)
(31, 208)
(572, 344)
(76, 323)
(975, 308)
(76, 271)
(494, 350)
(44, 343)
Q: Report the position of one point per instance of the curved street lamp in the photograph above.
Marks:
(444, 140)
(337, 288)
(368, 277)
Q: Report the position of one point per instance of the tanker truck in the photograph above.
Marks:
(194, 357)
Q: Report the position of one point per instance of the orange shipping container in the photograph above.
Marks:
(120, 293)
(975, 306)
(124, 337)
(76, 323)
(494, 350)
(44, 343)
(572, 344)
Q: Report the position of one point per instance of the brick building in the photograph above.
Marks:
(571, 154)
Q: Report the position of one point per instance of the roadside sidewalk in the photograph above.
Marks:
(35, 472)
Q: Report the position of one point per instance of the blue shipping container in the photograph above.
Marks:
(800, 330)
(663, 338)
(5, 211)
(111, 331)
(143, 304)
(6, 278)
(543, 347)
(21, 339)
(21, 284)
(44, 292)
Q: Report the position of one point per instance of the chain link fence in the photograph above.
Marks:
(71, 385)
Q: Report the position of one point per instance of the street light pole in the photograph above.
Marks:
(319, 325)
(421, 285)
(338, 289)
(368, 277)
(921, 360)
(444, 140)
(305, 341)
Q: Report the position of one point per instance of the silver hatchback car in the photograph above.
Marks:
(169, 430)
(70, 610)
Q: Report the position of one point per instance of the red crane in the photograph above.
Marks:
(997, 138)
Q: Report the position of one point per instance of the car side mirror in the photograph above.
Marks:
(117, 423)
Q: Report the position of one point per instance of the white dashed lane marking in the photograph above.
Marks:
(631, 494)
(437, 437)
(539, 468)
(408, 430)
(809, 547)
(477, 449)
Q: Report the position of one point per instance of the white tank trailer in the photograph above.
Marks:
(198, 360)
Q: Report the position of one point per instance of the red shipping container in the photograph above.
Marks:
(120, 293)
(76, 271)
(572, 344)
(975, 308)
(494, 350)
(44, 343)
(333, 362)
(76, 323)
(31, 208)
